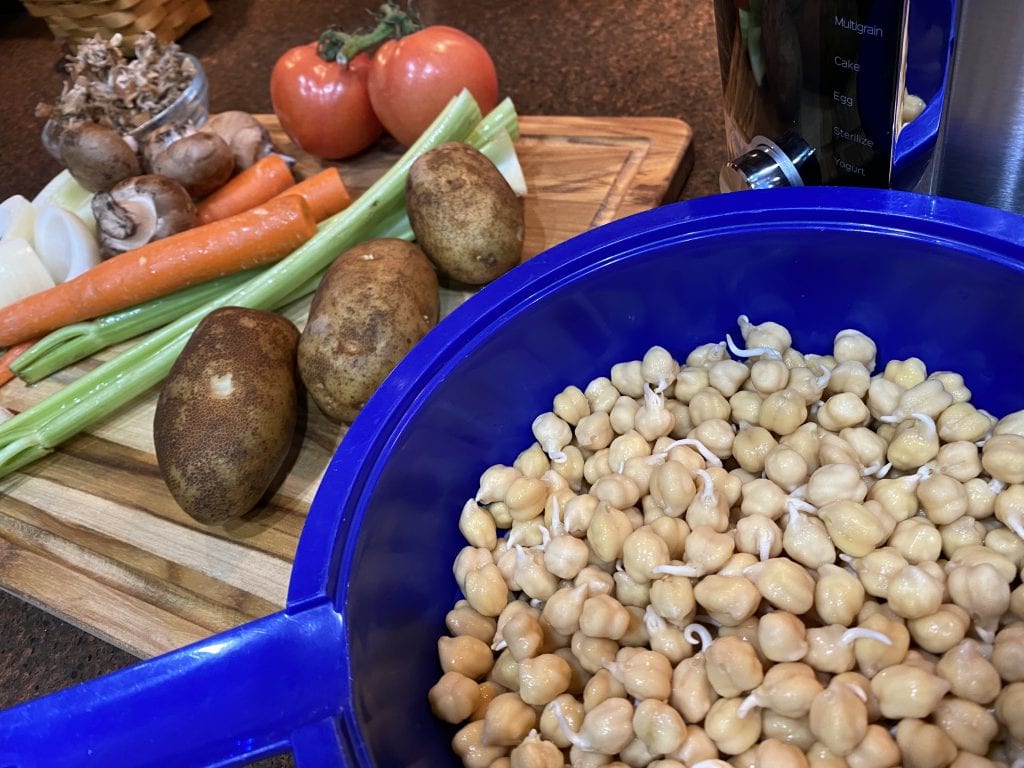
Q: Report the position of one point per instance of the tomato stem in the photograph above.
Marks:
(392, 23)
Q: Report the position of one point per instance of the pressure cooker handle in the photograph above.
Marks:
(226, 700)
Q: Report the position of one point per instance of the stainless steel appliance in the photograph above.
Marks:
(980, 151)
(815, 90)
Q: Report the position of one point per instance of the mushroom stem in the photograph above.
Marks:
(141, 209)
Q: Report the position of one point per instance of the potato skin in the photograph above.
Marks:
(226, 415)
(465, 216)
(376, 301)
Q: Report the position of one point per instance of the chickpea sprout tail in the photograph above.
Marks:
(749, 556)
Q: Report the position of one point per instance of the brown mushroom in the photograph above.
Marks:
(248, 138)
(158, 140)
(141, 209)
(97, 156)
(201, 163)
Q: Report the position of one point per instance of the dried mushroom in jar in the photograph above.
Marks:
(106, 87)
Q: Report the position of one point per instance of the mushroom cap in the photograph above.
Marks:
(97, 156)
(248, 137)
(158, 140)
(201, 163)
(141, 209)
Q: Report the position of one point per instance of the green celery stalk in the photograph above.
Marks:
(502, 118)
(99, 393)
(78, 341)
(501, 151)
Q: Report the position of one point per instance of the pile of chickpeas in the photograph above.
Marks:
(754, 557)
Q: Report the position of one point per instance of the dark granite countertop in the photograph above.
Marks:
(588, 57)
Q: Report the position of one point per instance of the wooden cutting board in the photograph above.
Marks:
(91, 534)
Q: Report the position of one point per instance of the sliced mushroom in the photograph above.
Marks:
(201, 163)
(141, 209)
(248, 138)
(97, 156)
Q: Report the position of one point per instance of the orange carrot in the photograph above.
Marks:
(12, 354)
(325, 192)
(255, 185)
(258, 236)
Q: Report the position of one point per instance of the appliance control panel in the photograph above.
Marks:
(824, 76)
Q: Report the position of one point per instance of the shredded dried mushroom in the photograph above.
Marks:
(106, 87)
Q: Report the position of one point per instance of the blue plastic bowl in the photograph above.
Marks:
(341, 676)
(931, 34)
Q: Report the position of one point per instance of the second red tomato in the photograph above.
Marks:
(413, 78)
(323, 105)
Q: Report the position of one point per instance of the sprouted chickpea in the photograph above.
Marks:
(468, 743)
(622, 418)
(606, 729)
(690, 380)
(733, 667)
(727, 376)
(907, 691)
(788, 689)
(969, 672)
(782, 636)
(732, 733)
(454, 697)
(747, 554)
(659, 726)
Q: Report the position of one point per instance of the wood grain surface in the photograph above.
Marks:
(91, 534)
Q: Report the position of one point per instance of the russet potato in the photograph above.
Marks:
(226, 414)
(465, 216)
(375, 302)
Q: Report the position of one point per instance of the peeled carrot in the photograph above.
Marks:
(12, 354)
(325, 192)
(258, 183)
(258, 236)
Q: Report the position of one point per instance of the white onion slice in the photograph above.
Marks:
(21, 271)
(67, 193)
(65, 245)
(17, 218)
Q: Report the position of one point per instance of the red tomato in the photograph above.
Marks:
(322, 105)
(413, 78)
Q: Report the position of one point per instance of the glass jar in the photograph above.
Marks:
(191, 106)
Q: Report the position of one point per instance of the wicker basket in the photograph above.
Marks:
(71, 21)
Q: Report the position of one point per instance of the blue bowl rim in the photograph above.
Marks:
(968, 227)
(328, 542)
